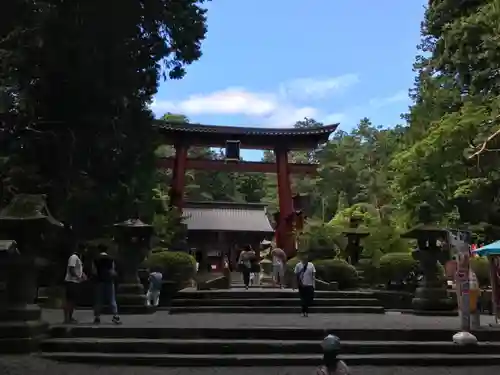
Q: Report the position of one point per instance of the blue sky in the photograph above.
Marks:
(272, 63)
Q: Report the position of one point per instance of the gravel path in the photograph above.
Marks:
(28, 365)
(321, 321)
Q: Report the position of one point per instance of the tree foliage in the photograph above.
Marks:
(456, 108)
(76, 81)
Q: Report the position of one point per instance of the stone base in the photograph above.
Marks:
(129, 310)
(21, 329)
(435, 313)
(433, 299)
(131, 299)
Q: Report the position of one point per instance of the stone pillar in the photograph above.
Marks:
(133, 237)
(285, 238)
(22, 224)
(431, 297)
(354, 234)
(178, 175)
(20, 319)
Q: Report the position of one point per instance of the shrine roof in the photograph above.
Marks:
(215, 135)
(226, 216)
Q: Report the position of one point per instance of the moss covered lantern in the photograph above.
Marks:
(354, 234)
(133, 239)
(431, 297)
(24, 223)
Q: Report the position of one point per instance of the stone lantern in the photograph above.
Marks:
(133, 239)
(23, 224)
(354, 234)
(431, 297)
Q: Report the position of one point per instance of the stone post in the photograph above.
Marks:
(133, 239)
(431, 297)
(354, 235)
(22, 225)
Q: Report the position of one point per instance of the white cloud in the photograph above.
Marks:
(231, 101)
(400, 96)
(317, 88)
(333, 118)
(286, 116)
(280, 108)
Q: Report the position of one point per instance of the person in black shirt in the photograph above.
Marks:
(104, 275)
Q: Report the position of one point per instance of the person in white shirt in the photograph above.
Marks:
(306, 281)
(74, 276)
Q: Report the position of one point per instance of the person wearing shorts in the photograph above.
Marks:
(74, 276)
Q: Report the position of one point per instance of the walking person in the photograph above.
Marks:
(154, 290)
(306, 277)
(74, 276)
(245, 264)
(278, 259)
(104, 283)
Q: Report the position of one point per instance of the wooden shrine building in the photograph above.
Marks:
(221, 229)
(280, 140)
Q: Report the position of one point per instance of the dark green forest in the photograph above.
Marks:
(76, 122)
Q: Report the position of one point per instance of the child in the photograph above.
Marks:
(155, 282)
(332, 365)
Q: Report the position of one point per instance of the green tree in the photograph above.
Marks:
(456, 109)
(80, 77)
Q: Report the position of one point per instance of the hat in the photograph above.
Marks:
(330, 343)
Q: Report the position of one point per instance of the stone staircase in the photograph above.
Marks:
(265, 346)
(272, 300)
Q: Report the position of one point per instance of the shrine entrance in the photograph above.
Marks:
(281, 141)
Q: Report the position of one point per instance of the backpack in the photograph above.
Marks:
(300, 275)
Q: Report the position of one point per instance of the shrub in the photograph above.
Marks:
(398, 268)
(318, 241)
(337, 270)
(481, 267)
(291, 263)
(176, 266)
(370, 271)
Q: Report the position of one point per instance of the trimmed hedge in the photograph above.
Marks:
(337, 270)
(176, 266)
(330, 270)
(398, 268)
(369, 270)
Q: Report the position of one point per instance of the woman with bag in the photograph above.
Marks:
(245, 264)
(306, 276)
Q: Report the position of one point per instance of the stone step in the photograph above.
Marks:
(263, 333)
(234, 347)
(275, 309)
(274, 302)
(262, 285)
(281, 360)
(259, 292)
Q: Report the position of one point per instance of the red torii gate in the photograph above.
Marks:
(183, 136)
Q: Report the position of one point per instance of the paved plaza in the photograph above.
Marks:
(30, 365)
(317, 321)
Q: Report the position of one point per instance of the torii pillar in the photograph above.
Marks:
(284, 230)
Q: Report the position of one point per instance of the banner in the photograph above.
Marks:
(495, 284)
